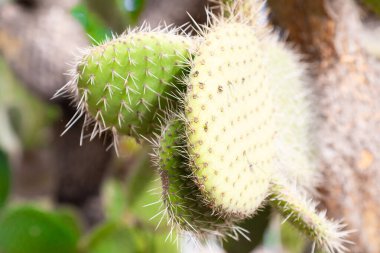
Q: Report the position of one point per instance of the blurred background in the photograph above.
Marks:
(58, 196)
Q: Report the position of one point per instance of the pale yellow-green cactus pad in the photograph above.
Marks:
(295, 144)
(230, 120)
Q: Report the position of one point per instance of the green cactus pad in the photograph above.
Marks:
(230, 120)
(181, 197)
(124, 83)
(296, 208)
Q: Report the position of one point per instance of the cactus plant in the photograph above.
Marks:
(241, 135)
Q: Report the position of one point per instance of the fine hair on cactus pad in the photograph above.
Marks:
(295, 120)
(123, 84)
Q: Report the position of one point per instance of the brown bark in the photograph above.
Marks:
(347, 81)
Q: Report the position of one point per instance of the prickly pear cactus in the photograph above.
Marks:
(241, 135)
(229, 116)
(182, 200)
(300, 210)
(124, 83)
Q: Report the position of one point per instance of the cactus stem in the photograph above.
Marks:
(296, 208)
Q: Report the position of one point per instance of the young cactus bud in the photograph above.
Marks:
(124, 83)
(229, 118)
(182, 200)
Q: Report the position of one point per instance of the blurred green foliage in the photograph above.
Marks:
(92, 25)
(374, 5)
(30, 230)
(114, 197)
(133, 9)
(4, 178)
(139, 179)
(128, 226)
(146, 206)
(115, 237)
(291, 239)
(102, 18)
(29, 117)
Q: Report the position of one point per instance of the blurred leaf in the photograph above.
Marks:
(272, 236)
(374, 5)
(115, 237)
(30, 119)
(117, 14)
(147, 204)
(133, 9)
(139, 179)
(257, 226)
(139, 218)
(291, 239)
(72, 221)
(93, 25)
(115, 199)
(147, 208)
(29, 230)
(162, 244)
(5, 178)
